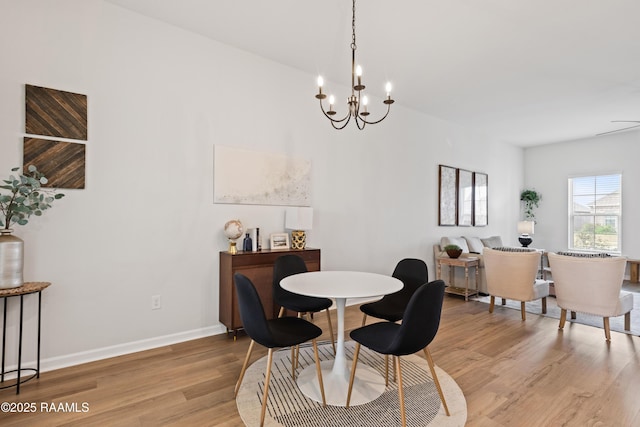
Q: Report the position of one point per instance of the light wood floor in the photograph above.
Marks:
(512, 373)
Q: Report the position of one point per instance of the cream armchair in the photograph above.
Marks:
(592, 286)
(512, 275)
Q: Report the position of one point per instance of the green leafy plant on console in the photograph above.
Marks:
(25, 197)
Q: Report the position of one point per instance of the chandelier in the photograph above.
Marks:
(357, 102)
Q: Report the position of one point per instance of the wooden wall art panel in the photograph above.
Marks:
(51, 112)
(63, 163)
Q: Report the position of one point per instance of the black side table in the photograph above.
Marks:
(26, 289)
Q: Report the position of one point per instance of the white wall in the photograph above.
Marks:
(159, 99)
(548, 168)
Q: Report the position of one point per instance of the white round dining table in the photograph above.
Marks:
(340, 285)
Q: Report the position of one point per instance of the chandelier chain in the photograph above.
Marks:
(353, 27)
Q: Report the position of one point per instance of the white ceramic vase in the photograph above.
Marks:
(11, 260)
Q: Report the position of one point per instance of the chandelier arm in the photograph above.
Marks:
(333, 123)
(377, 121)
(331, 118)
(360, 122)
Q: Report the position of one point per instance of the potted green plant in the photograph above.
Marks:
(24, 196)
(531, 199)
(454, 251)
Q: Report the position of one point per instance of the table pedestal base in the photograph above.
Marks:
(367, 386)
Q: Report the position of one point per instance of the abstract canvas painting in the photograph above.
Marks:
(256, 178)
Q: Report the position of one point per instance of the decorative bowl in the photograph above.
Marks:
(454, 253)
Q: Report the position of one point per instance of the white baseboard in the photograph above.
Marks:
(53, 363)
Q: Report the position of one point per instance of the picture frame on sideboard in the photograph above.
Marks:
(279, 241)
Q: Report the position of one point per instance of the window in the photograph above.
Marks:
(595, 213)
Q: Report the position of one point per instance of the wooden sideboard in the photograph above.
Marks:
(257, 266)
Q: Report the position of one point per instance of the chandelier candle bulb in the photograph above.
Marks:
(388, 101)
(320, 95)
(332, 100)
(359, 86)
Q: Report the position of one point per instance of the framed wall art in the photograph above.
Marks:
(250, 177)
(480, 199)
(465, 198)
(57, 113)
(63, 163)
(447, 182)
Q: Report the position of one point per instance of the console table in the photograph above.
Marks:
(633, 269)
(258, 267)
(26, 289)
(459, 262)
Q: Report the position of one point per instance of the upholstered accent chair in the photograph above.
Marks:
(591, 285)
(512, 275)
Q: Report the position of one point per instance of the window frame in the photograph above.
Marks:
(571, 214)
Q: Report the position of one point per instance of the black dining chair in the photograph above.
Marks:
(413, 273)
(286, 266)
(272, 333)
(418, 328)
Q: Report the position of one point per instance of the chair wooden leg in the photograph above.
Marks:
(295, 356)
(395, 373)
(544, 305)
(353, 372)
(244, 368)
(319, 371)
(563, 318)
(266, 387)
(281, 312)
(333, 341)
(386, 370)
(607, 330)
(492, 303)
(364, 319)
(627, 321)
(504, 301)
(427, 353)
(400, 391)
(573, 315)
(523, 312)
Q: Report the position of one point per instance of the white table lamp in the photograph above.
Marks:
(298, 219)
(525, 228)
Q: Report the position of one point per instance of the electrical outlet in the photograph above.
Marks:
(156, 302)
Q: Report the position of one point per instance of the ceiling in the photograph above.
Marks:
(526, 72)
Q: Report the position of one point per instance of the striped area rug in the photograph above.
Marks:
(287, 406)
